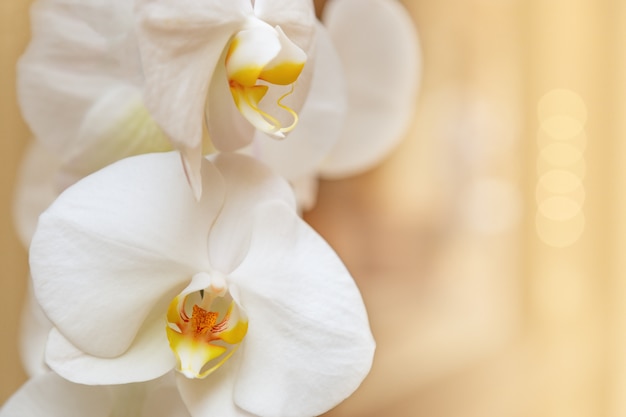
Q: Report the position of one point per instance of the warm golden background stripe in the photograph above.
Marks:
(14, 34)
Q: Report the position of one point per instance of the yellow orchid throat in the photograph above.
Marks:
(260, 58)
(205, 337)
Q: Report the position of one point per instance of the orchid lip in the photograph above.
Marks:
(261, 58)
(205, 327)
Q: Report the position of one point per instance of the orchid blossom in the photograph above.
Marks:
(222, 63)
(377, 48)
(252, 308)
(49, 395)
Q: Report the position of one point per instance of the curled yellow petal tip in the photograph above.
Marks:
(253, 67)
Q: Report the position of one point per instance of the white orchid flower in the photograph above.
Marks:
(223, 62)
(255, 311)
(49, 395)
(381, 96)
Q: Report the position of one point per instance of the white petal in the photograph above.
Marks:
(36, 189)
(117, 245)
(305, 190)
(181, 43)
(162, 399)
(308, 344)
(295, 17)
(213, 396)
(117, 126)
(377, 42)
(227, 127)
(73, 57)
(51, 396)
(321, 119)
(149, 357)
(248, 183)
(252, 49)
(34, 330)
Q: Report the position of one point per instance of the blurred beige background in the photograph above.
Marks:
(489, 246)
(14, 32)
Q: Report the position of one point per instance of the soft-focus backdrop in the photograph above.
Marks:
(14, 33)
(488, 246)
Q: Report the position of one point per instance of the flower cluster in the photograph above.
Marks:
(177, 141)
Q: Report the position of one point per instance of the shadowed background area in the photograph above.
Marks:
(488, 246)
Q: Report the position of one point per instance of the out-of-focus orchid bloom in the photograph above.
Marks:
(80, 86)
(35, 189)
(49, 395)
(382, 91)
(235, 291)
